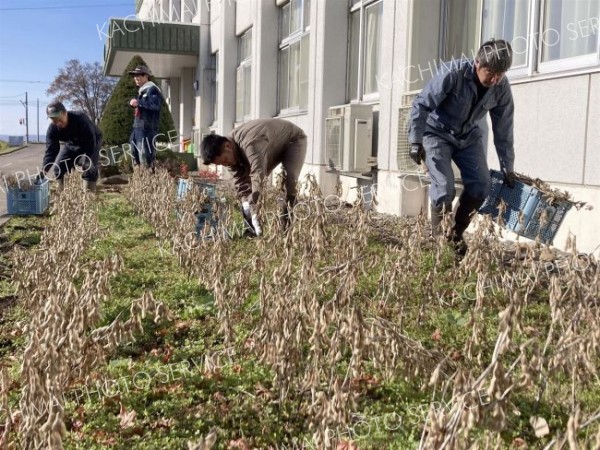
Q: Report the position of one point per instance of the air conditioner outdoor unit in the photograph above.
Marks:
(405, 163)
(348, 138)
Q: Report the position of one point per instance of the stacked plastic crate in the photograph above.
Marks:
(527, 211)
(28, 199)
(206, 216)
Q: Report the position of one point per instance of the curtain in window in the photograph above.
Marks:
(294, 74)
(353, 57)
(461, 28)
(304, 48)
(372, 47)
(295, 16)
(283, 78)
(247, 90)
(239, 95)
(569, 28)
(507, 19)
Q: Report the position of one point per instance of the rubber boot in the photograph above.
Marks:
(89, 186)
(437, 215)
(466, 206)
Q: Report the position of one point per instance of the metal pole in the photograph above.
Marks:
(38, 121)
(26, 119)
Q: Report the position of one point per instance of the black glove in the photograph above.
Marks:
(417, 153)
(83, 161)
(510, 179)
(40, 177)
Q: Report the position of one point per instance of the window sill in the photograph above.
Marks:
(292, 113)
(522, 79)
(357, 175)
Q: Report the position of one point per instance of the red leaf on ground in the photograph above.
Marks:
(366, 379)
(437, 335)
(162, 423)
(167, 355)
(239, 443)
(347, 445)
(519, 443)
(213, 375)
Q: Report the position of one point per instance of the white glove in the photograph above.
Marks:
(246, 208)
(256, 225)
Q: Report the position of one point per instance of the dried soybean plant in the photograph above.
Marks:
(321, 333)
(525, 359)
(64, 297)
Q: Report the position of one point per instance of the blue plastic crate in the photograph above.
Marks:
(205, 216)
(185, 185)
(527, 213)
(22, 202)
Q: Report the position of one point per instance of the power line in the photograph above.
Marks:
(63, 7)
(12, 96)
(25, 81)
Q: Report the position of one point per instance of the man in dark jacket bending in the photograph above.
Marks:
(251, 152)
(82, 140)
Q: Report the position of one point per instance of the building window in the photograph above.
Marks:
(294, 28)
(364, 54)
(460, 32)
(569, 29)
(508, 20)
(214, 85)
(244, 77)
(566, 34)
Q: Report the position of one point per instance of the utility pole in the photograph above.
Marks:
(26, 105)
(38, 121)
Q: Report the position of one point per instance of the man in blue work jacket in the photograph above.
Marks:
(146, 117)
(82, 141)
(444, 128)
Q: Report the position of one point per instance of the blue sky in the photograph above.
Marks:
(37, 37)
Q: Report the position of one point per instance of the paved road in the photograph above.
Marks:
(27, 159)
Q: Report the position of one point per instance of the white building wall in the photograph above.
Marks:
(557, 137)
(327, 81)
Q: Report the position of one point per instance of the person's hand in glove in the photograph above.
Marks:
(256, 225)
(417, 153)
(40, 177)
(83, 161)
(251, 219)
(510, 179)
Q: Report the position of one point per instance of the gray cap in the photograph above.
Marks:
(54, 109)
(140, 70)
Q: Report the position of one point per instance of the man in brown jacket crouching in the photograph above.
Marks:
(251, 152)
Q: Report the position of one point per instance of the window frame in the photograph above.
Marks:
(534, 65)
(214, 86)
(244, 65)
(300, 36)
(360, 6)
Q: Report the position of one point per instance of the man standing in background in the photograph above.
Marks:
(146, 117)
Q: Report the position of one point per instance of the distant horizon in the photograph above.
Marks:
(41, 137)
